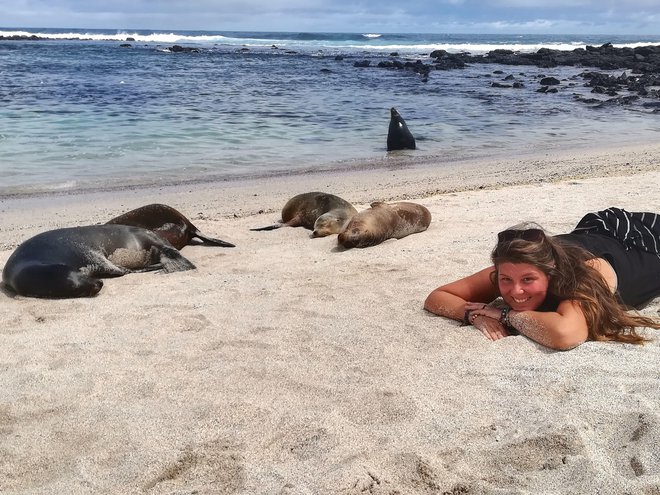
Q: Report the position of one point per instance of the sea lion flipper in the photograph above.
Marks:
(269, 227)
(211, 240)
(172, 261)
(151, 268)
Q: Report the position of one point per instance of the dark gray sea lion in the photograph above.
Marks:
(320, 212)
(399, 136)
(69, 262)
(168, 224)
(384, 221)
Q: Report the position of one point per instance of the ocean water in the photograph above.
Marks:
(80, 111)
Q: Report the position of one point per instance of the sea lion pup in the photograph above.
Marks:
(384, 221)
(320, 212)
(168, 224)
(399, 136)
(69, 262)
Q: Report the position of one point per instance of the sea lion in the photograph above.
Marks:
(167, 223)
(323, 213)
(384, 221)
(69, 262)
(399, 136)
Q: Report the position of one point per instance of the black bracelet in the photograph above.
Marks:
(466, 317)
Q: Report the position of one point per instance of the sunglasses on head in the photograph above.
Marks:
(531, 235)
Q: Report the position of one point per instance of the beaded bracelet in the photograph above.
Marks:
(504, 316)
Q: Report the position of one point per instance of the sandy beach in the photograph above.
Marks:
(288, 366)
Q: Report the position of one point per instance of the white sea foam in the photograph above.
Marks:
(478, 49)
(121, 36)
(372, 41)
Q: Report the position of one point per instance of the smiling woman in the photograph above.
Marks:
(561, 291)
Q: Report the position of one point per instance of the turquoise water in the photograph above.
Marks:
(79, 111)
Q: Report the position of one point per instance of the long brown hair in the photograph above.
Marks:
(571, 277)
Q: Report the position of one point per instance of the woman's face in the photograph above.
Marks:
(523, 287)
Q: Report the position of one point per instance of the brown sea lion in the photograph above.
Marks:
(320, 212)
(69, 262)
(384, 221)
(167, 223)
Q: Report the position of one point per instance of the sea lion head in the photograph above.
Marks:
(332, 222)
(368, 228)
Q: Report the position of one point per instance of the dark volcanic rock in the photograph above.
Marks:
(183, 49)
(643, 63)
(643, 59)
(550, 81)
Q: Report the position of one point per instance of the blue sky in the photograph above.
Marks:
(422, 16)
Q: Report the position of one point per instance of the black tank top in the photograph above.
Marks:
(637, 271)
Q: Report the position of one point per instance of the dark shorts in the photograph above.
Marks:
(637, 271)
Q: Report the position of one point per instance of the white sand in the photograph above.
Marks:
(286, 365)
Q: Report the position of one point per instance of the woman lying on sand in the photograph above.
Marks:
(561, 291)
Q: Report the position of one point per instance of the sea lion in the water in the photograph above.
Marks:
(384, 221)
(69, 262)
(167, 223)
(323, 213)
(399, 136)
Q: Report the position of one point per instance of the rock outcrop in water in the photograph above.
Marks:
(642, 59)
(642, 63)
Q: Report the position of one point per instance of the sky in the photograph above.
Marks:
(359, 16)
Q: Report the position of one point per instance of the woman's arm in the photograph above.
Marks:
(563, 329)
(450, 300)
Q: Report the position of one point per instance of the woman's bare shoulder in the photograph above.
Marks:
(603, 267)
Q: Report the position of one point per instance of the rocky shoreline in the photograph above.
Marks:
(642, 62)
(639, 83)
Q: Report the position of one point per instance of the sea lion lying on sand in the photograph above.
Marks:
(320, 212)
(167, 223)
(384, 221)
(69, 262)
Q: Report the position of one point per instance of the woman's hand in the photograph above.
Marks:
(487, 320)
(490, 327)
(479, 308)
